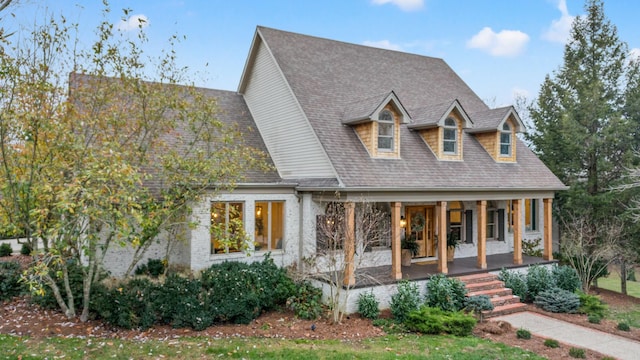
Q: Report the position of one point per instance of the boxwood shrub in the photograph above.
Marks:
(10, 285)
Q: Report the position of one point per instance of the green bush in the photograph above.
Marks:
(306, 302)
(445, 293)
(478, 304)
(523, 334)
(153, 268)
(48, 300)
(624, 326)
(407, 299)
(594, 318)
(128, 305)
(566, 278)
(10, 285)
(592, 305)
(577, 353)
(183, 302)
(539, 279)
(26, 249)
(558, 301)
(551, 343)
(516, 281)
(429, 320)
(531, 247)
(368, 305)
(5, 250)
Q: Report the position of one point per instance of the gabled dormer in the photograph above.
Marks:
(441, 127)
(376, 121)
(496, 131)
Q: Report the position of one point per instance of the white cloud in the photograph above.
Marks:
(560, 29)
(133, 22)
(383, 44)
(634, 54)
(504, 43)
(405, 5)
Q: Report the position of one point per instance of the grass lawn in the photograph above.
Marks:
(405, 346)
(630, 315)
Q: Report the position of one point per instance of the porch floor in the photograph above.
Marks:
(459, 266)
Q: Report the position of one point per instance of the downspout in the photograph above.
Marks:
(300, 228)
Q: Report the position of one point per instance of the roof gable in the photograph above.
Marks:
(493, 119)
(435, 115)
(369, 109)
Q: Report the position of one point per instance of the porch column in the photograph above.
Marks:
(517, 231)
(482, 234)
(441, 219)
(547, 252)
(396, 251)
(349, 244)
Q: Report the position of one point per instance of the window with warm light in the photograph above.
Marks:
(450, 137)
(385, 131)
(505, 140)
(269, 225)
(531, 214)
(227, 232)
(455, 220)
(492, 221)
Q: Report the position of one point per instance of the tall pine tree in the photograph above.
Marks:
(586, 117)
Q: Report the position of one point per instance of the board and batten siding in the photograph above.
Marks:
(290, 140)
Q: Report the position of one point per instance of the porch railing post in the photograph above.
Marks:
(482, 234)
(517, 231)
(396, 251)
(547, 252)
(349, 244)
(441, 218)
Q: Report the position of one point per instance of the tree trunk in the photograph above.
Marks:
(68, 312)
(623, 277)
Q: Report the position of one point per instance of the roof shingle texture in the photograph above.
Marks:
(326, 76)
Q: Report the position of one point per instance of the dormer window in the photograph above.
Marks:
(385, 131)
(505, 140)
(450, 136)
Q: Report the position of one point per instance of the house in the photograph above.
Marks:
(344, 123)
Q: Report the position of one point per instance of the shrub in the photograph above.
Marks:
(445, 293)
(5, 250)
(577, 353)
(9, 280)
(26, 249)
(551, 343)
(515, 281)
(592, 305)
(182, 302)
(558, 301)
(128, 305)
(306, 302)
(478, 304)
(566, 278)
(153, 268)
(429, 320)
(624, 326)
(531, 247)
(368, 305)
(539, 279)
(405, 300)
(523, 334)
(594, 318)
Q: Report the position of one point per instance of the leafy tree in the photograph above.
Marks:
(586, 120)
(103, 158)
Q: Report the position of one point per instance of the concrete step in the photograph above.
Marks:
(487, 285)
(505, 310)
(477, 278)
(491, 292)
(504, 300)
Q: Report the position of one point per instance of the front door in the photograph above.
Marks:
(421, 225)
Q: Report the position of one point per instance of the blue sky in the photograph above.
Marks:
(499, 47)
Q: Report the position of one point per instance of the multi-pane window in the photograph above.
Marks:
(450, 136)
(492, 221)
(455, 217)
(227, 231)
(531, 214)
(505, 140)
(330, 227)
(269, 225)
(385, 131)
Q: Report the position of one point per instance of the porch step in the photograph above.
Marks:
(502, 298)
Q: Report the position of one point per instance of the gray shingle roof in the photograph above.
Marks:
(327, 75)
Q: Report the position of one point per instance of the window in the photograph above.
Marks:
(227, 229)
(269, 228)
(450, 137)
(373, 225)
(531, 214)
(492, 221)
(505, 140)
(510, 215)
(330, 227)
(385, 131)
(455, 218)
